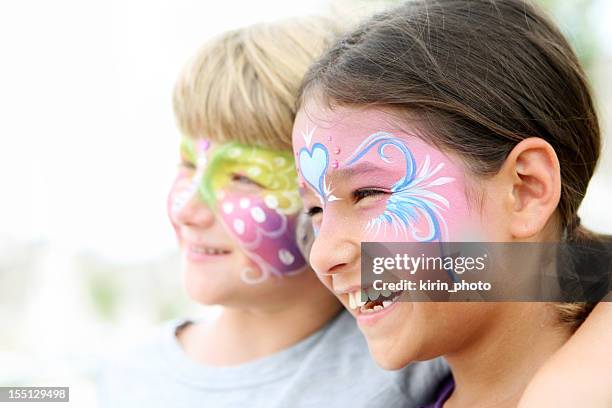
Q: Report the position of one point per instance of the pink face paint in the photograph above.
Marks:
(183, 189)
(186, 183)
(253, 192)
(425, 190)
(267, 236)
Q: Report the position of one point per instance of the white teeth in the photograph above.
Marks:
(208, 251)
(373, 294)
(362, 298)
(377, 308)
(364, 310)
(352, 303)
(358, 299)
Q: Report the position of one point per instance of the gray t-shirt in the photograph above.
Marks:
(332, 367)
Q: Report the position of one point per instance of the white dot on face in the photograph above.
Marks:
(285, 256)
(271, 201)
(228, 208)
(201, 161)
(258, 214)
(280, 161)
(244, 203)
(239, 226)
(235, 152)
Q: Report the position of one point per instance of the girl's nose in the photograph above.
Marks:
(334, 251)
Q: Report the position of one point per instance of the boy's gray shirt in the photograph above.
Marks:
(332, 368)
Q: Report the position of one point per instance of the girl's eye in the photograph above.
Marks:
(359, 195)
(312, 211)
(239, 178)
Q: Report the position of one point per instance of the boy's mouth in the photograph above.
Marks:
(208, 250)
(372, 300)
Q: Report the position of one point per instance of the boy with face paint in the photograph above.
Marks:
(281, 338)
(252, 192)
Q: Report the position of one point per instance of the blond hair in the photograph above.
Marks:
(242, 85)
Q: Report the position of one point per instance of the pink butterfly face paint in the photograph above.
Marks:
(253, 191)
(364, 171)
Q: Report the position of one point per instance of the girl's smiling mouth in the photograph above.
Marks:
(371, 300)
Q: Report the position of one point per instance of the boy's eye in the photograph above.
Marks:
(187, 165)
(359, 195)
(241, 179)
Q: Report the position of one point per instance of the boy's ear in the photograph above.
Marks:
(534, 176)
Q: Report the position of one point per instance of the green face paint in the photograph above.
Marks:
(272, 170)
(254, 191)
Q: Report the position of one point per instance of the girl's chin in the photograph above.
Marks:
(388, 356)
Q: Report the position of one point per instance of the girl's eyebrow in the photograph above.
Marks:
(360, 169)
(363, 169)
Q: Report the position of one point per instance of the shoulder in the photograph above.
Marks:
(148, 348)
(144, 362)
(344, 357)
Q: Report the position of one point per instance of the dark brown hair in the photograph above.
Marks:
(480, 75)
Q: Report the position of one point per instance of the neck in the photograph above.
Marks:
(244, 333)
(494, 369)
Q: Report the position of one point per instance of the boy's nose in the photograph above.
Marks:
(193, 212)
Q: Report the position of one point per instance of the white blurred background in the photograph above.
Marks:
(88, 149)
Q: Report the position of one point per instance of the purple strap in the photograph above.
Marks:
(444, 393)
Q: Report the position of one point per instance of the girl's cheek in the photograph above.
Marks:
(368, 210)
(375, 204)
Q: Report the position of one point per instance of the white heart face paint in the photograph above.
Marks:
(313, 164)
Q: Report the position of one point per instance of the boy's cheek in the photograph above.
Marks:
(262, 231)
(174, 202)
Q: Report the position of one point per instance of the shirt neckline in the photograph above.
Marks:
(262, 370)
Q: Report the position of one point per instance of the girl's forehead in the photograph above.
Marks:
(345, 123)
(342, 130)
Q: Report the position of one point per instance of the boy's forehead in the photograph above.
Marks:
(230, 149)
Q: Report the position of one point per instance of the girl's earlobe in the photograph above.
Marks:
(536, 189)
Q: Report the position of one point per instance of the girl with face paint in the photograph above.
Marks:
(280, 339)
(453, 121)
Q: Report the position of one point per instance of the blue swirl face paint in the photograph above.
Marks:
(420, 192)
(412, 200)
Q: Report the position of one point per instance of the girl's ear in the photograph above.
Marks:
(533, 175)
